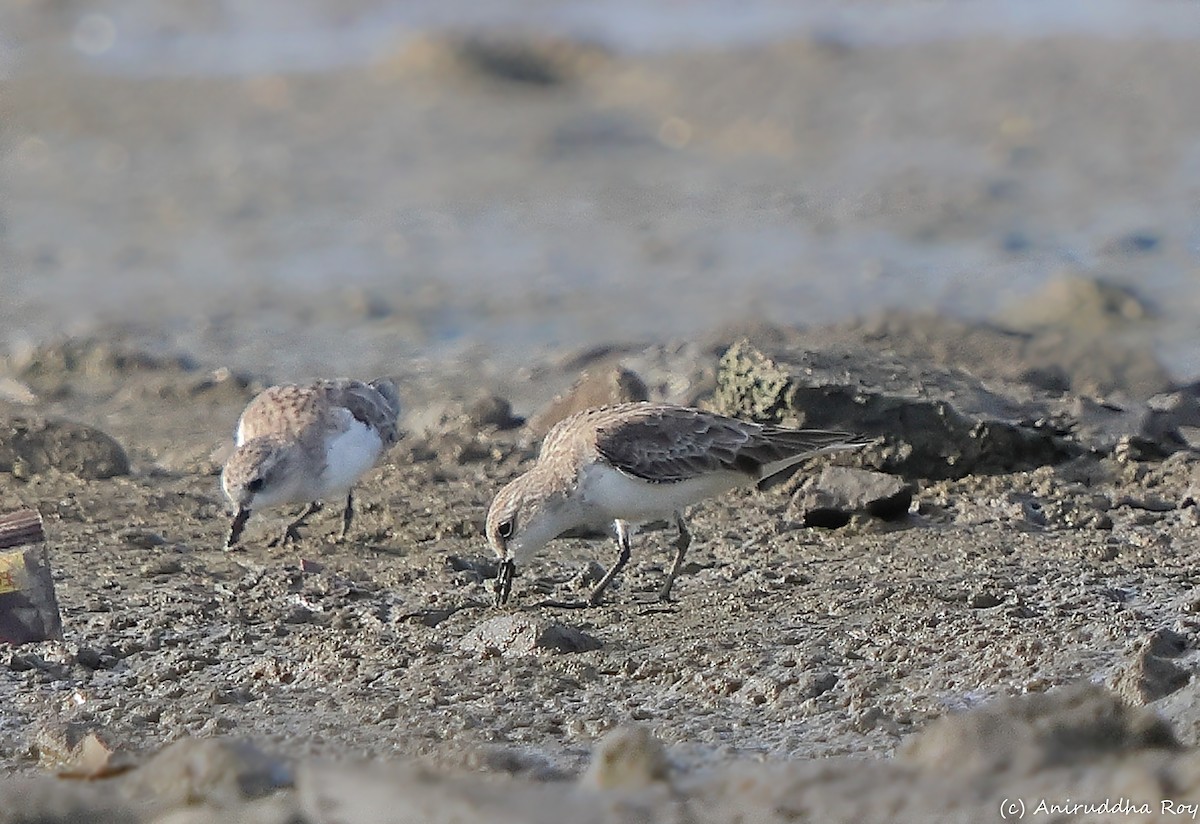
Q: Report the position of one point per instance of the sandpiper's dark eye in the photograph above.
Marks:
(256, 485)
(505, 530)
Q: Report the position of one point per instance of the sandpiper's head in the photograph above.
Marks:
(526, 515)
(261, 473)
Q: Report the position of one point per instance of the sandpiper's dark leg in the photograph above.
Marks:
(682, 542)
(623, 539)
(347, 514)
(235, 529)
(291, 532)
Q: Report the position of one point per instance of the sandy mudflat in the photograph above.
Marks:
(489, 219)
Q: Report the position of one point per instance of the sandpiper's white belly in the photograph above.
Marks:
(616, 495)
(348, 456)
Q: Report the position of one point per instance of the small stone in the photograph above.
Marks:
(95, 659)
(813, 684)
(166, 565)
(298, 614)
(1151, 675)
(1150, 678)
(71, 746)
(142, 538)
(523, 634)
(627, 758)
(984, 600)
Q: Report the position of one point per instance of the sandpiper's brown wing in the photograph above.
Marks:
(666, 444)
(376, 404)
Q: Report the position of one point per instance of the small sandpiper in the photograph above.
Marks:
(628, 464)
(304, 443)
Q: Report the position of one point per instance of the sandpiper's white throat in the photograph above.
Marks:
(301, 444)
(624, 465)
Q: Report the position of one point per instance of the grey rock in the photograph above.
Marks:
(524, 634)
(849, 490)
(814, 684)
(33, 445)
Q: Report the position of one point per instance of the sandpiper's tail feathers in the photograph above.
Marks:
(376, 403)
(387, 388)
(779, 450)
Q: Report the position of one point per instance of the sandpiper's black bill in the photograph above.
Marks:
(504, 579)
(235, 529)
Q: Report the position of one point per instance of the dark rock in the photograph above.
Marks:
(823, 512)
(594, 388)
(950, 398)
(30, 446)
(95, 659)
(524, 634)
(511, 61)
(923, 436)
(813, 684)
(492, 411)
(984, 600)
(143, 538)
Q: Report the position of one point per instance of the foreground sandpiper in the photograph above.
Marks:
(625, 465)
(301, 444)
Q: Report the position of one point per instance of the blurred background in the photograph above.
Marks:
(329, 187)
